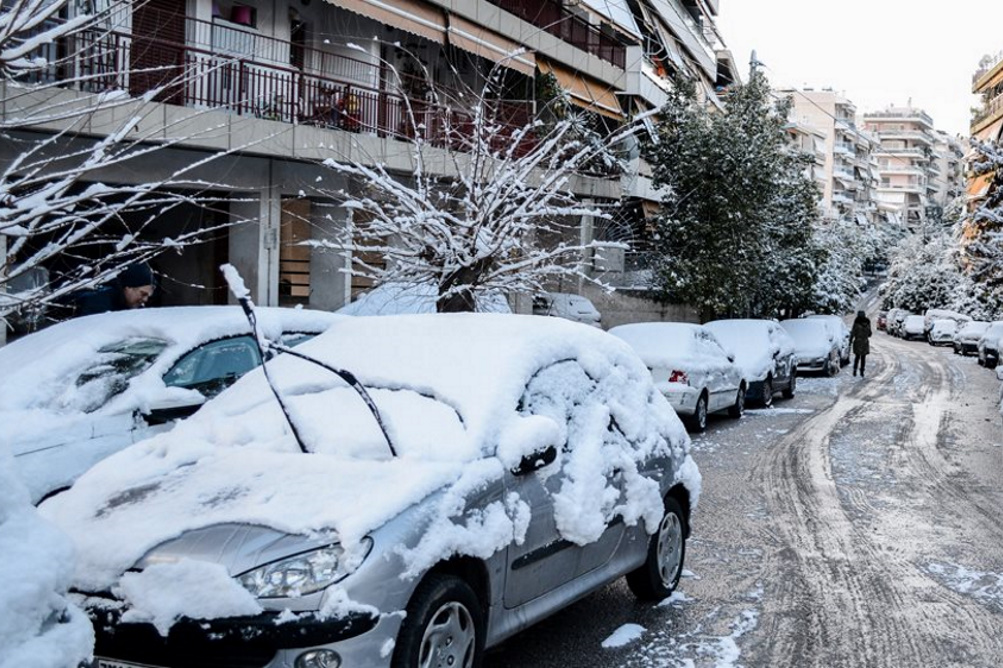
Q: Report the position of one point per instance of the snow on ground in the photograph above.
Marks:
(986, 588)
(624, 635)
(668, 648)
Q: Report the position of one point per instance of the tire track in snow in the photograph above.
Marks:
(860, 599)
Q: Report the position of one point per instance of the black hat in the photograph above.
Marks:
(136, 275)
(860, 314)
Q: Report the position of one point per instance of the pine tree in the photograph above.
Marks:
(733, 232)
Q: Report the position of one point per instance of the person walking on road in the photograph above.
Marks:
(860, 341)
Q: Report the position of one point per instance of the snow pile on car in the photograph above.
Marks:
(451, 389)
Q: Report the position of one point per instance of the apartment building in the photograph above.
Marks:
(987, 120)
(846, 174)
(280, 87)
(906, 166)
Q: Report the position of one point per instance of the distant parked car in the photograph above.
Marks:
(933, 314)
(913, 327)
(814, 344)
(567, 306)
(966, 339)
(838, 327)
(882, 321)
(988, 347)
(527, 462)
(942, 332)
(896, 317)
(764, 352)
(690, 368)
(77, 391)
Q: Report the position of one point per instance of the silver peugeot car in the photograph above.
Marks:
(398, 491)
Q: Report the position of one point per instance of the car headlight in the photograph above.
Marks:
(304, 573)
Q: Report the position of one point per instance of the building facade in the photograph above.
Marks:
(272, 90)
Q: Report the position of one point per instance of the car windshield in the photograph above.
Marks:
(111, 371)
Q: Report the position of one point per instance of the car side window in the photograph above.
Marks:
(214, 366)
(558, 391)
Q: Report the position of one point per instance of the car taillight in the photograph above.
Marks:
(679, 377)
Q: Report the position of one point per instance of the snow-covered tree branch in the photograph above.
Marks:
(505, 218)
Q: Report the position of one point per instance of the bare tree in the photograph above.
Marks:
(489, 206)
(57, 199)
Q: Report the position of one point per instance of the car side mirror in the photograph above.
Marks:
(731, 357)
(171, 411)
(535, 461)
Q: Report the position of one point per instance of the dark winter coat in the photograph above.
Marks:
(109, 297)
(860, 336)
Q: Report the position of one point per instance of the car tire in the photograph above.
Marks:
(737, 409)
(832, 368)
(767, 396)
(659, 575)
(445, 620)
(698, 421)
(791, 386)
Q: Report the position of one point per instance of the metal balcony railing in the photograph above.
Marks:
(219, 67)
(554, 18)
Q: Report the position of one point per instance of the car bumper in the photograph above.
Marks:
(683, 398)
(261, 641)
(813, 363)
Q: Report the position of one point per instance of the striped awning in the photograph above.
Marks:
(585, 92)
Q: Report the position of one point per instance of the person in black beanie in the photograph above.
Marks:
(132, 288)
(860, 335)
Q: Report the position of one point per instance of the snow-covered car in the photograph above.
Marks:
(814, 345)
(988, 347)
(79, 390)
(913, 327)
(400, 299)
(881, 322)
(896, 317)
(518, 464)
(690, 367)
(837, 326)
(966, 339)
(764, 352)
(933, 314)
(942, 332)
(568, 306)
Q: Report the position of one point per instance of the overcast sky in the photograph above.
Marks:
(876, 52)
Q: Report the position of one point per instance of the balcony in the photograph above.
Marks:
(554, 18)
(223, 67)
(913, 115)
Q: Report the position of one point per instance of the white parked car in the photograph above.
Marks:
(522, 463)
(933, 314)
(690, 367)
(942, 332)
(764, 352)
(966, 339)
(567, 306)
(815, 345)
(989, 345)
(839, 330)
(77, 391)
(895, 318)
(913, 327)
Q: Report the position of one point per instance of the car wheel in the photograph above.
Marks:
(737, 409)
(660, 573)
(444, 626)
(767, 397)
(833, 368)
(698, 421)
(791, 386)
(981, 361)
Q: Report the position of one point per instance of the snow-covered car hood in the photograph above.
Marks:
(448, 387)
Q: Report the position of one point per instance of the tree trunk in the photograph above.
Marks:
(462, 300)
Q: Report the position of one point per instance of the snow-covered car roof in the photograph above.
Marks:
(398, 299)
(449, 389)
(662, 343)
(809, 334)
(749, 340)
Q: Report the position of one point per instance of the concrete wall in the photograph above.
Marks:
(622, 307)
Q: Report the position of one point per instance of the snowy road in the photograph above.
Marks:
(858, 524)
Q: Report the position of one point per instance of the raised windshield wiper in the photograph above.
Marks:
(268, 349)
